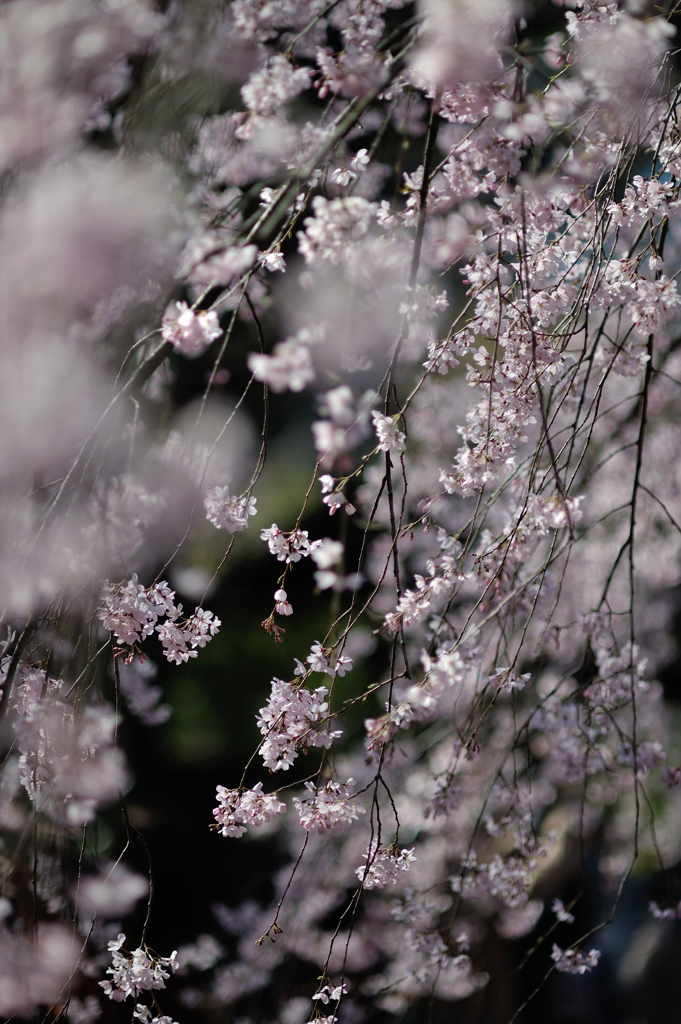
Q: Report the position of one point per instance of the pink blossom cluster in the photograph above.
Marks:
(144, 1014)
(666, 914)
(67, 762)
(228, 513)
(574, 961)
(317, 660)
(289, 367)
(238, 808)
(384, 865)
(507, 878)
(132, 612)
(324, 807)
(274, 85)
(189, 332)
(181, 637)
(344, 426)
(33, 973)
(294, 719)
(335, 225)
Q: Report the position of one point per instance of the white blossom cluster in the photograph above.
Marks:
(288, 547)
(317, 661)
(134, 973)
(390, 439)
(330, 993)
(332, 498)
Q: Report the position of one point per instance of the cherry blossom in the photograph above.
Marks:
(288, 547)
(33, 973)
(293, 719)
(181, 637)
(668, 914)
(274, 85)
(273, 261)
(237, 808)
(135, 972)
(323, 808)
(390, 439)
(332, 498)
(561, 913)
(574, 961)
(331, 994)
(189, 332)
(289, 367)
(326, 556)
(335, 224)
(384, 865)
(228, 513)
(131, 612)
(282, 606)
(144, 1014)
